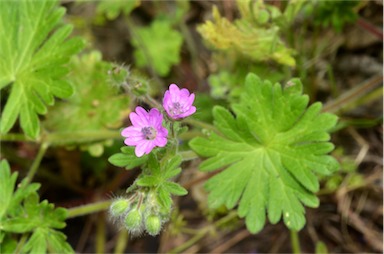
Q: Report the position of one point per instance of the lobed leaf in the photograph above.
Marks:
(244, 37)
(158, 46)
(7, 183)
(34, 50)
(271, 146)
(112, 9)
(22, 212)
(96, 106)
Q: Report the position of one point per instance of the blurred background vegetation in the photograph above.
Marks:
(334, 47)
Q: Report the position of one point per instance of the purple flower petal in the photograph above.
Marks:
(178, 103)
(144, 147)
(160, 141)
(136, 120)
(130, 131)
(146, 131)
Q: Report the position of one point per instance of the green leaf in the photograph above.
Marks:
(37, 242)
(36, 215)
(127, 158)
(23, 213)
(175, 189)
(96, 106)
(43, 239)
(147, 181)
(7, 183)
(57, 242)
(8, 243)
(321, 248)
(258, 42)
(34, 50)
(112, 8)
(272, 147)
(165, 199)
(158, 46)
(157, 176)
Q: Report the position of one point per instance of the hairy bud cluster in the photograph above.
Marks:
(138, 213)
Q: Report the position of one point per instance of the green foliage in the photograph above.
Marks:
(272, 147)
(247, 36)
(229, 84)
(347, 176)
(112, 8)
(332, 13)
(96, 104)
(158, 179)
(157, 46)
(21, 212)
(34, 49)
(127, 158)
(321, 248)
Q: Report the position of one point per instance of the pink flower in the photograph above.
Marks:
(178, 102)
(146, 131)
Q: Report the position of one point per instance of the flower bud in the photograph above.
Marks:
(133, 220)
(139, 88)
(118, 74)
(153, 225)
(119, 207)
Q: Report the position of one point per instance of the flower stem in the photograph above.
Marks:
(80, 137)
(295, 242)
(14, 137)
(201, 124)
(152, 102)
(100, 233)
(36, 163)
(65, 138)
(121, 242)
(88, 209)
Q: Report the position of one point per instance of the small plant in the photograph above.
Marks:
(149, 205)
(263, 147)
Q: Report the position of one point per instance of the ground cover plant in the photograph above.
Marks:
(191, 126)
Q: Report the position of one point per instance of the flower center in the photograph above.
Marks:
(149, 133)
(176, 108)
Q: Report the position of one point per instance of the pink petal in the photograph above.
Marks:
(189, 112)
(142, 113)
(155, 117)
(131, 131)
(137, 120)
(160, 141)
(144, 147)
(184, 93)
(133, 141)
(190, 99)
(174, 92)
(167, 102)
(162, 132)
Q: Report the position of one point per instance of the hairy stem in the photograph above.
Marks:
(88, 209)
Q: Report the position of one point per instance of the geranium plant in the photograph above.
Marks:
(261, 147)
